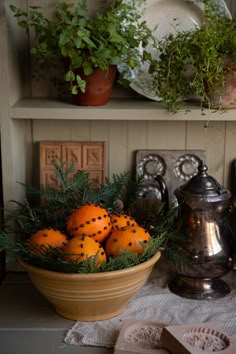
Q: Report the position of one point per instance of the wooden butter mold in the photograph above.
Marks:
(138, 337)
(200, 338)
(87, 156)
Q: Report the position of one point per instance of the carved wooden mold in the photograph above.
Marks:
(87, 156)
(140, 337)
(200, 338)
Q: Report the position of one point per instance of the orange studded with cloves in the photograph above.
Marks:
(81, 248)
(121, 220)
(128, 238)
(45, 238)
(89, 220)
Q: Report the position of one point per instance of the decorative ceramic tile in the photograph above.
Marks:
(176, 167)
(197, 339)
(87, 156)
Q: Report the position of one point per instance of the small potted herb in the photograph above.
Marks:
(87, 45)
(199, 63)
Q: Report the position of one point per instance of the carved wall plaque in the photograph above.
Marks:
(87, 156)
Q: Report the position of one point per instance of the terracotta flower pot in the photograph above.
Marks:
(94, 296)
(226, 98)
(98, 87)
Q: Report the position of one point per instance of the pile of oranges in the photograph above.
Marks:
(91, 231)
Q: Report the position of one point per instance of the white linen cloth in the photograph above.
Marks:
(154, 303)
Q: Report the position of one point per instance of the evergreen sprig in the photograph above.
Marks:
(53, 259)
(75, 189)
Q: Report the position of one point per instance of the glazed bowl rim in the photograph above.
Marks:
(96, 276)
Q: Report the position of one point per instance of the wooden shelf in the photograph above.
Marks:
(117, 109)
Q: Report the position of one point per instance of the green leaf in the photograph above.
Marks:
(76, 61)
(23, 24)
(104, 53)
(70, 76)
(13, 8)
(115, 60)
(81, 33)
(77, 41)
(116, 38)
(132, 63)
(43, 47)
(81, 83)
(74, 90)
(111, 29)
(82, 22)
(89, 42)
(87, 68)
(64, 51)
(33, 51)
(64, 38)
(34, 7)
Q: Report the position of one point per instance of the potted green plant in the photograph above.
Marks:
(88, 45)
(199, 63)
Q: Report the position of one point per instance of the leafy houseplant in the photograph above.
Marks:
(196, 63)
(84, 44)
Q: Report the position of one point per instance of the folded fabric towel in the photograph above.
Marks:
(154, 303)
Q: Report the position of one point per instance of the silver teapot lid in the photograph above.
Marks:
(204, 187)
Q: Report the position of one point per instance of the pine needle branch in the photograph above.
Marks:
(26, 218)
(54, 259)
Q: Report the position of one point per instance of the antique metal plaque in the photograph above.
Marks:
(87, 156)
(176, 167)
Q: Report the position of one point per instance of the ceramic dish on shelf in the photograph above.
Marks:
(164, 17)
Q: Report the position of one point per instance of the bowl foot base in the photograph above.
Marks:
(89, 317)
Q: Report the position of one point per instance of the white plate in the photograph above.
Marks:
(164, 17)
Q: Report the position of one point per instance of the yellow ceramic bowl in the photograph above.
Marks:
(94, 296)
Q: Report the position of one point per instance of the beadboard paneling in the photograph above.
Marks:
(230, 150)
(166, 135)
(210, 139)
(117, 151)
(123, 138)
(17, 54)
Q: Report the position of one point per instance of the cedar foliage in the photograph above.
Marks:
(27, 218)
